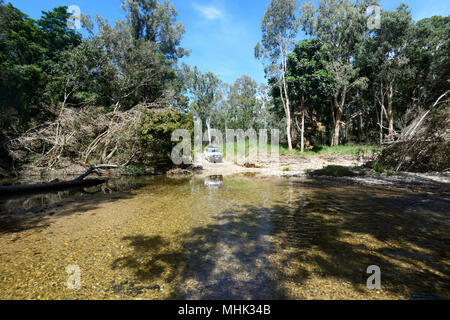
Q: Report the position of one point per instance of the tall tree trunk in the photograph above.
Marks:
(390, 113)
(303, 131)
(339, 105)
(285, 93)
(381, 127)
(337, 127)
(360, 129)
(287, 111)
(288, 114)
(288, 129)
(208, 125)
(382, 111)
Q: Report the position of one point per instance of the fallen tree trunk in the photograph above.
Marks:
(57, 185)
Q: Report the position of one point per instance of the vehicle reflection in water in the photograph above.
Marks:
(213, 182)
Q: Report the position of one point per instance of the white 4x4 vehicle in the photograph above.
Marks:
(213, 154)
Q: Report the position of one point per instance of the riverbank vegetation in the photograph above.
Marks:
(115, 94)
(350, 149)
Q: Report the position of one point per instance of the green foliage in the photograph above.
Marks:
(378, 167)
(342, 150)
(154, 21)
(386, 55)
(279, 28)
(28, 49)
(341, 26)
(21, 51)
(203, 90)
(134, 170)
(155, 131)
(47, 70)
(243, 108)
(44, 64)
(111, 69)
(57, 35)
(311, 86)
(429, 55)
(307, 73)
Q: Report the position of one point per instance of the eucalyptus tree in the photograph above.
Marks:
(204, 91)
(244, 105)
(341, 26)
(126, 64)
(389, 47)
(112, 70)
(310, 83)
(429, 54)
(271, 117)
(155, 21)
(279, 28)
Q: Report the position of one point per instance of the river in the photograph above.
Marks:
(237, 237)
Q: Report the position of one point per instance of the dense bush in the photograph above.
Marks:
(155, 132)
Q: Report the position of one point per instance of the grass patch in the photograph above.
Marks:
(134, 170)
(378, 167)
(243, 149)
(286, 169)
(346, 150)
(335, 171)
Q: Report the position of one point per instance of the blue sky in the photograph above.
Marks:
(221, 33)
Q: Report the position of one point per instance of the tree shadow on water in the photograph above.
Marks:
(327, 234)
(152, 259)
(402, 232)
(224, 260)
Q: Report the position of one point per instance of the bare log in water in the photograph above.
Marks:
(57, 185)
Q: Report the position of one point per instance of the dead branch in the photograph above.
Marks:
(439, 99)
(422, 145)
(94, 169)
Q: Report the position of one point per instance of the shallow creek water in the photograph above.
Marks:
(235, 237)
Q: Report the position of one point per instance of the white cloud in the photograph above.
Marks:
(209, 12)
